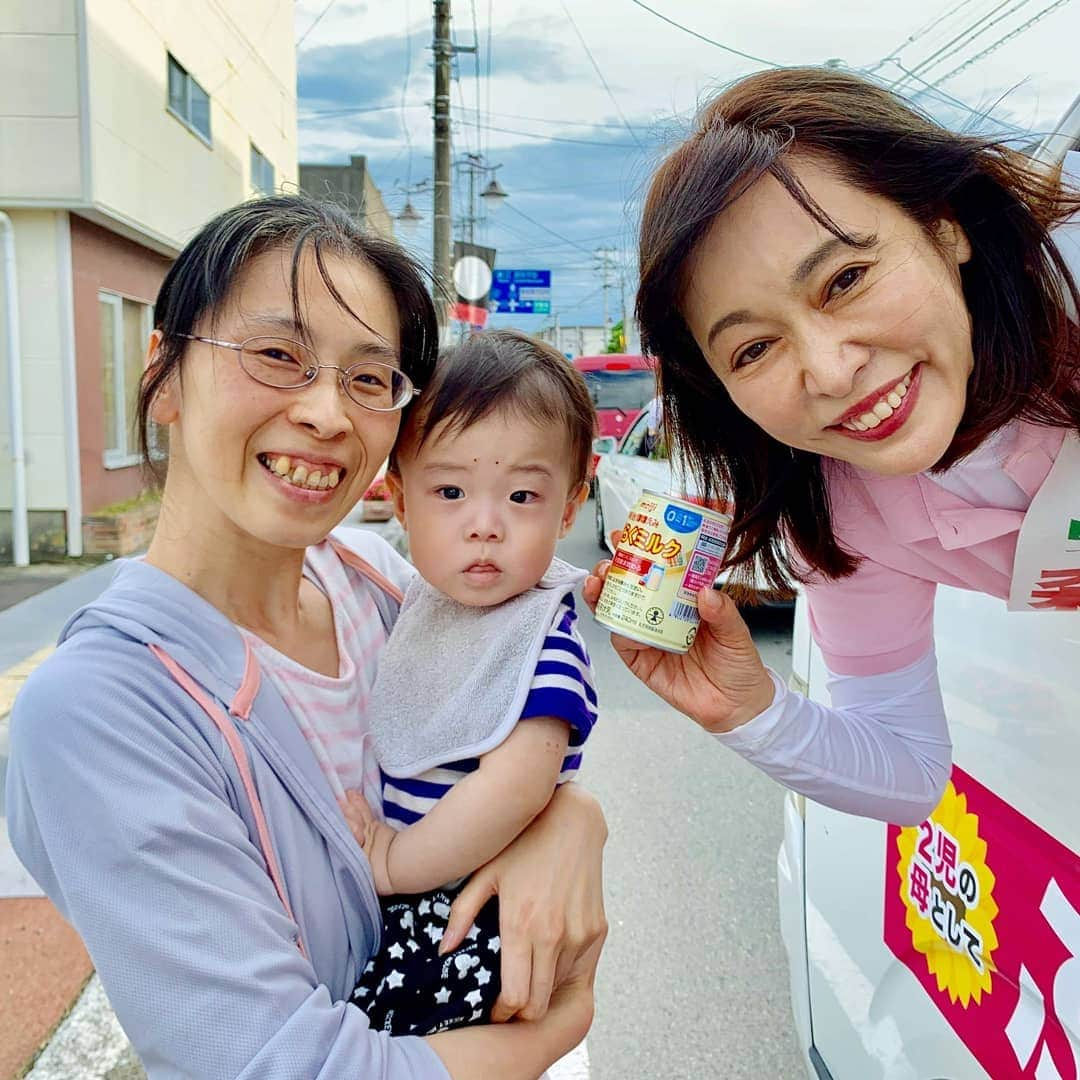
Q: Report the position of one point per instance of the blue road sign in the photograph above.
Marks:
(521, 292)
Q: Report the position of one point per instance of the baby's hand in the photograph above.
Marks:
(374, 836)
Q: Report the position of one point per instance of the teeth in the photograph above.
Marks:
(315, 480)
(883, 410)
(901, 390)
(894, 400)
(870, 419)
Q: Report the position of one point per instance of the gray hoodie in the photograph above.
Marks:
(127, 806)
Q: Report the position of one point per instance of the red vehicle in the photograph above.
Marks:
(621, 386)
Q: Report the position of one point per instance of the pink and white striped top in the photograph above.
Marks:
(332, 711)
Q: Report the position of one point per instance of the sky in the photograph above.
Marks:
(576, 103)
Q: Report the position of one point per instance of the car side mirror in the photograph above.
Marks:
(604, 445)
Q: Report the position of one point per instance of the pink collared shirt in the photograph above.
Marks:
(914, 534)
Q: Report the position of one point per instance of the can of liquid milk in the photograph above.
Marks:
(669, 550)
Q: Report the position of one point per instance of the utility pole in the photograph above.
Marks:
(440, 260)
(605, 258)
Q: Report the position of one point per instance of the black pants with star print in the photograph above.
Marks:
(409, 989)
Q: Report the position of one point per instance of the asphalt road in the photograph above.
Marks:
(693, 982)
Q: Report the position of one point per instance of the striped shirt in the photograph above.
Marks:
(332, 711)
(561, 687)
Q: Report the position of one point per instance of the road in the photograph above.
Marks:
(693, 981)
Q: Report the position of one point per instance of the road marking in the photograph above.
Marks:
(575, 1066)
(11, 680)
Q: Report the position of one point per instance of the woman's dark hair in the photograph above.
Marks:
(500, 370)
(203, 276)
(1017, 287)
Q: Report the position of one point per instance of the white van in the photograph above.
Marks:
(951, 951)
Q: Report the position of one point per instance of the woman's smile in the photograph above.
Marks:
(881, 414)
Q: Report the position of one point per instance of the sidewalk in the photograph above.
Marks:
(54, 1016)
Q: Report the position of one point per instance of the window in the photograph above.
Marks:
(635, 439)
(262, 173)
(125, 329)
(188, 101)
(625, 390)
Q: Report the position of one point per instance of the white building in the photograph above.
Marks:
(124, 126)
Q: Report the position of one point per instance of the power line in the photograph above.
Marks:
(562, 138)
(487, 77)
(600, 74)
(702, 37)
(918, 35)
(476, 76)
(318, 19)
(982, 30)
(558, 236)
(1038, 17)
(346, 110)
(404, 90)
(967, 35)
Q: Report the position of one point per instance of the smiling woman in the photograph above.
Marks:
(867, 341)
(177, 766)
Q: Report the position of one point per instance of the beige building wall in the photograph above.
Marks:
(149, 168)
(85, 130)
(40, 236)
(40, 111)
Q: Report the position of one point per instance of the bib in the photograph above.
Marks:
(453, 679)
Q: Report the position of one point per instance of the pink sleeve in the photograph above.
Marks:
(875, 621)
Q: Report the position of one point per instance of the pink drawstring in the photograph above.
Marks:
(232, 740)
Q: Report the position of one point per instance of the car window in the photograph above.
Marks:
(624, 390)
(635, 437)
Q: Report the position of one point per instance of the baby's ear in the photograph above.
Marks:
(574, 502)
(397, 493)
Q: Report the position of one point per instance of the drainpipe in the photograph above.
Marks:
(20, 532)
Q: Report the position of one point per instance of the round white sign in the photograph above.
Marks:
(472, 277)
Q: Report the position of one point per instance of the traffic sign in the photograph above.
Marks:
(520, 292)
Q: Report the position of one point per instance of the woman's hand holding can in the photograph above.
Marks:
(720, 683)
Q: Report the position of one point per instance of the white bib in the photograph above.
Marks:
(453, 679)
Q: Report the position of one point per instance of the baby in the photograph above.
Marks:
(484, 695)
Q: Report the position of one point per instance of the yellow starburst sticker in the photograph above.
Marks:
(947, 890)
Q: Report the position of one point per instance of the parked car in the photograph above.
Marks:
(621, 385)
(952, 949)
(634, 464)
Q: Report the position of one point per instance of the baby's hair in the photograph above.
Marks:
(500, 371)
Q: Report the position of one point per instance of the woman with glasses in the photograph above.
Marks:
(176, 765)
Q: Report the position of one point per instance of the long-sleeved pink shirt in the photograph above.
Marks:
(883, 749)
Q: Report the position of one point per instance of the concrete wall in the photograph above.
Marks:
(38, 234)
(40, 142)
(148, 166)
(353, 188)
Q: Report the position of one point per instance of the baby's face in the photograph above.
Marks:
(484, 507)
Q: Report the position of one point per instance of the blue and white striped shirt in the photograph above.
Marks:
(562, 687)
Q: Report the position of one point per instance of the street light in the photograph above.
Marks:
(409, 219)
(493, 196)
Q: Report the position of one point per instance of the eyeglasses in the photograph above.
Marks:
(289, 365)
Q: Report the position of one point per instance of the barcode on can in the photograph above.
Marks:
(686, 612)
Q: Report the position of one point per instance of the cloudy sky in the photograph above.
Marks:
(577, 101)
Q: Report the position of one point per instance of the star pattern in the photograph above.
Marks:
(408, 972)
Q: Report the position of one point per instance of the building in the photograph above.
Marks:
(350, 186)
(124, 126)
(576, 340)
